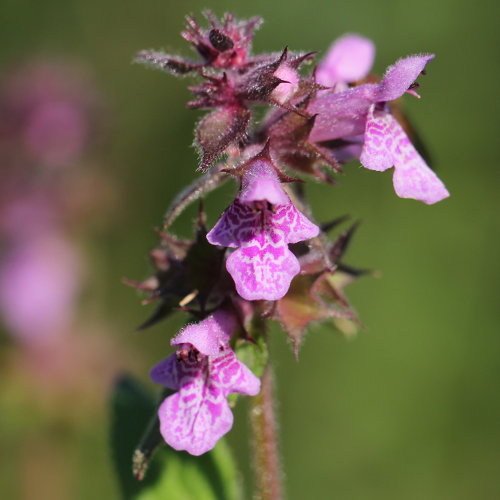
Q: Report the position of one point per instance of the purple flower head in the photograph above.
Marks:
(312, 120)
(203, 371)
(362, 110)
(348, 60)
(260, 223)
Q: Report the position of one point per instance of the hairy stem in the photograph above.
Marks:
(267, 467)
(193, 192)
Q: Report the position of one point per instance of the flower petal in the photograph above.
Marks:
(294, 224)
(349, 59)
(233, 375)
(263, 268)
(400, 76)
(166, 373)
(375, 154)
(197, 416)
(386, 144)
(341, 114)
(260, 183)
(208, 335)
(414, 179)
(236, 225)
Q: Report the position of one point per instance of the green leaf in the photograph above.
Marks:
(252, 348)
(172, 474)
(253, 354)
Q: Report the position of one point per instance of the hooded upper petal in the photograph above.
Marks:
(209, 335)
(343, 114)
(239, 222)
(386, 144)
(260, 183)
(400, 76)
(349, 59)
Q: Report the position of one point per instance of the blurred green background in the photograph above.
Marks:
(409, 409)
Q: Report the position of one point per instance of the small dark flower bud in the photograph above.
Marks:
(220, 41)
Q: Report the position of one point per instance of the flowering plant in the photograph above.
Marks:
(266, 258)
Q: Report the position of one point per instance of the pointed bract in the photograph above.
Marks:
(285, 91)
(165, 62)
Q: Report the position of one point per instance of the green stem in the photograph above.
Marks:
(267, 467)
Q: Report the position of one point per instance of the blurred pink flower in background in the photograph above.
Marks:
(50, 114)
(59, 363)
(39, 285)
(46, 113)
(48, 110)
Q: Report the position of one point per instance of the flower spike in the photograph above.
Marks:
(265, 258)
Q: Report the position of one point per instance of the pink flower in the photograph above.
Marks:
(39, 282)
(362, 110)
(204, 371)
(284, 91)
(386, 144)
(348, 60)
(260, 223)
